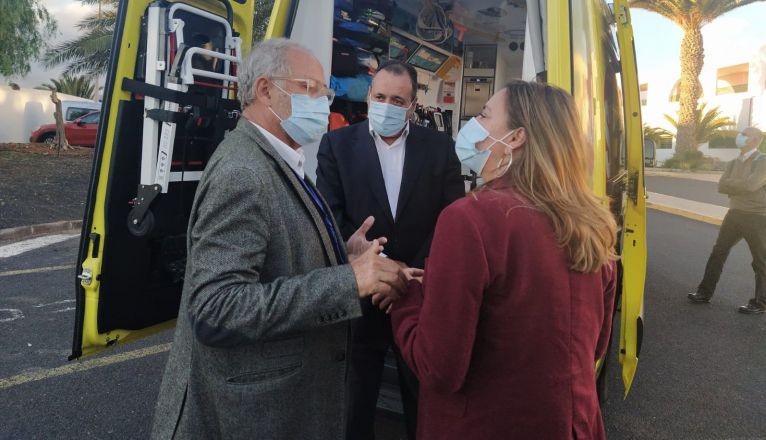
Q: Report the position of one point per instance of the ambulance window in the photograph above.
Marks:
(584, 64)
(616, 146)
(261, 18)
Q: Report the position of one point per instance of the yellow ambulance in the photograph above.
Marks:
(170, 97)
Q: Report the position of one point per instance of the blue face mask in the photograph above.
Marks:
(387, 119)
(465, 146)
(308, 120)
(740, 140)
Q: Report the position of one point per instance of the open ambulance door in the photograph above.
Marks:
(170, 97)
(582, 57)
(634, 226)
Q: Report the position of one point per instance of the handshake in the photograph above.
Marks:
(383, 279)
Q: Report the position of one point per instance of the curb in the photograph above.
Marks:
(22, 232)
(684, 213)
(700, 177)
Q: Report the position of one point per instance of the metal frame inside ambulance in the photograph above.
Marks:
(119, 296)
(162, 65)
(566, 43)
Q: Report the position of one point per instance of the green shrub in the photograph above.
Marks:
(692, 160)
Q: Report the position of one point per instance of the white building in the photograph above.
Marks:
(737, 88)
(24, 110)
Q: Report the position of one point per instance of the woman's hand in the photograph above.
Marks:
(412, 273)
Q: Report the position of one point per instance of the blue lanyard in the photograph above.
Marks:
(327, 220)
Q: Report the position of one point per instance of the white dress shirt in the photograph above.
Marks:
(391, 164)
(294, 158)
(746, 156)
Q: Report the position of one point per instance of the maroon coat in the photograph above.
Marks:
(502, 334)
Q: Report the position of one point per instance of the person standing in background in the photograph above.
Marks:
(744, 180)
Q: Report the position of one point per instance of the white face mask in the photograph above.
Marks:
(308, 118)
(387, 119)
(740, 140)
(465, 146)
(468, 137)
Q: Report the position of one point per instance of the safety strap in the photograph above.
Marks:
(205, 102)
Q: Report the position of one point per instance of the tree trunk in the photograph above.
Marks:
(692, 58)
(61, 142)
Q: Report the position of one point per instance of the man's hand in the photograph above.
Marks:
(376, 274)
(357, 244)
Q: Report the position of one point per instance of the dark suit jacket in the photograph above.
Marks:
(502, 334)
(349, 176)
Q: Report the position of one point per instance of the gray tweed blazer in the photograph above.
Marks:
(261, 341)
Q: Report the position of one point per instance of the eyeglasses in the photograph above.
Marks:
(313, 88)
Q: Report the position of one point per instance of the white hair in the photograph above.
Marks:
(267, 58)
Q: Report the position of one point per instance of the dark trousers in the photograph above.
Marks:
(738, 225)
(372, 339)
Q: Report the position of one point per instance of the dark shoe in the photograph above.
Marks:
(751, 309)
(696, 297)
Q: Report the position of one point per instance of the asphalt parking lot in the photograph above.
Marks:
(701, 373)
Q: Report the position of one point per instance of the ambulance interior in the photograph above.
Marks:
(463, 51)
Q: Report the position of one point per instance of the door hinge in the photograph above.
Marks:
(86, 277)
(622, 15)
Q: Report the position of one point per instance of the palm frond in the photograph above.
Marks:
(87, 54)
(710, 123)
(672, 10)
(71, 85)
(103, 3)
(107, 20)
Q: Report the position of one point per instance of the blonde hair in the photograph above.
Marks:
(552, 171)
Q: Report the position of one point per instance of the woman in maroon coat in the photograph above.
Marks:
(515, 306)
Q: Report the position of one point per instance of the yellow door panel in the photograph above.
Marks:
(104, 299)
(634, 238)
(559, 51)
(280, 18)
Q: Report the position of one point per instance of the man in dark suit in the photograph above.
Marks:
(403, 175)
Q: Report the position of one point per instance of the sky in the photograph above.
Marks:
(67, 14)
(731, 39)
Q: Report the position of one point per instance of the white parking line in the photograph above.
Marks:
(8, 315)
(64, 301)
(13, 249)
(11, 273)
(77, 366)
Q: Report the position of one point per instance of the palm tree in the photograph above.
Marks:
(707, 123)
(656, 134)
(691, 16)
(88, 53)
(80, 86)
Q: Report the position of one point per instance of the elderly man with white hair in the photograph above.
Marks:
(261, 342)
(744, 181)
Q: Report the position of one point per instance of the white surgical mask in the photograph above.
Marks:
(740, 140)
(465, 146)
(308, 119)
(387, 119)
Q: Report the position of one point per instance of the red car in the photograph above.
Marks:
(81, 131)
